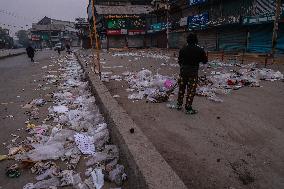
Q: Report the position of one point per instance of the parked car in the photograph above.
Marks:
(59, 46)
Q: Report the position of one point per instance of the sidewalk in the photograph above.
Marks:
(4, 53)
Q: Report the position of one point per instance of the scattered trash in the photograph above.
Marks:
(117, 175)
(13, 171)
(38, 102)
(84, 143)
(143, 54)
(76, 129)
(98, 178)
(3, 157)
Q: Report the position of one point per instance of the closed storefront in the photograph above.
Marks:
(174, 40)
(260, 38)
(207, 39)
(161, 39)
(232, 39)
(177, 39)
(280, 39)
(135, 41)
(116, 41)
(148, 39)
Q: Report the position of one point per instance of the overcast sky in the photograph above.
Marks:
(20, 13)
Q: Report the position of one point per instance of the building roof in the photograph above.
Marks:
(52, 27)
(127, 9)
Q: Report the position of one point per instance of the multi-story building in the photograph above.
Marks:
(221, 25)
(47, 32)
(121, 23)
(83, 29)
(229, 25)
(6, 41)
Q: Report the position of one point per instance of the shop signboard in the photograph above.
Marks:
(116, 24)
(197, 21)
(35, 37)
(196, 2)
(183, 21)
(117, 32)
(159, 26)
(136, 23)
(282, 13)
(126, 23)
(136, 32)
(45, 37)
(250, 20)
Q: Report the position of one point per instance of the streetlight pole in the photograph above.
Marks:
(167, 9)
(97, 40)
(275, 29)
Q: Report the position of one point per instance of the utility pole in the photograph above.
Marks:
(50, 43)
(168, 30)
(97, 41)
(276, 26)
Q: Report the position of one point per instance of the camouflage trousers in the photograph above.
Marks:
(189, 83)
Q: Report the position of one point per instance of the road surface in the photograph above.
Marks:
(237, 144)
(21, 82)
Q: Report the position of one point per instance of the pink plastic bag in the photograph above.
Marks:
(168, 84)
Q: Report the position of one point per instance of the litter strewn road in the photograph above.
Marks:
(235, 141)
(11, 52)
(53, 128)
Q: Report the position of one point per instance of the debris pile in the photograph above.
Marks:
(226, 77)
(217, 79)
(154, 88)
(78, 130)
(143, 54)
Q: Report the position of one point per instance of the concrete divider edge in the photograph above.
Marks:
(146, 168)
(11, 55)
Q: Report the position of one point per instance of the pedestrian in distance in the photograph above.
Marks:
(68, 48)
(189, 59)
(30, 52)
(58, 50)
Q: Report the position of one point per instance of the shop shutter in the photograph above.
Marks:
(116, 41)
(260, 38)
(232, 39)
(207, 39)
(280, 39)
(177, 40)
(135, 41)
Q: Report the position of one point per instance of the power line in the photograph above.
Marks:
(12, 14)
(4, 25)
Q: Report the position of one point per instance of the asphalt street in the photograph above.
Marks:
(237, 144)
(19, 80)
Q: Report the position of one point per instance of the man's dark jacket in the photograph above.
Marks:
(30, 51)
(189, 58)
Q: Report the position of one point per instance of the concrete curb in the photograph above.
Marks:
(12, 55)
(146, 168)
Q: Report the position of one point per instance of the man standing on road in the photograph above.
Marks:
(30, 52)
(189, 58)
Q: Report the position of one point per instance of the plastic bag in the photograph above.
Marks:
(136, 96)
(85, 144)
(117, 175)
(98, 178)
(46, 152)
(47, 183)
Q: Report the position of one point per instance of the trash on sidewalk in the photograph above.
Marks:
(98, 178)
(149, 86)
(3, 157)
(77, 129)
(38, 102)
(13, 171)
